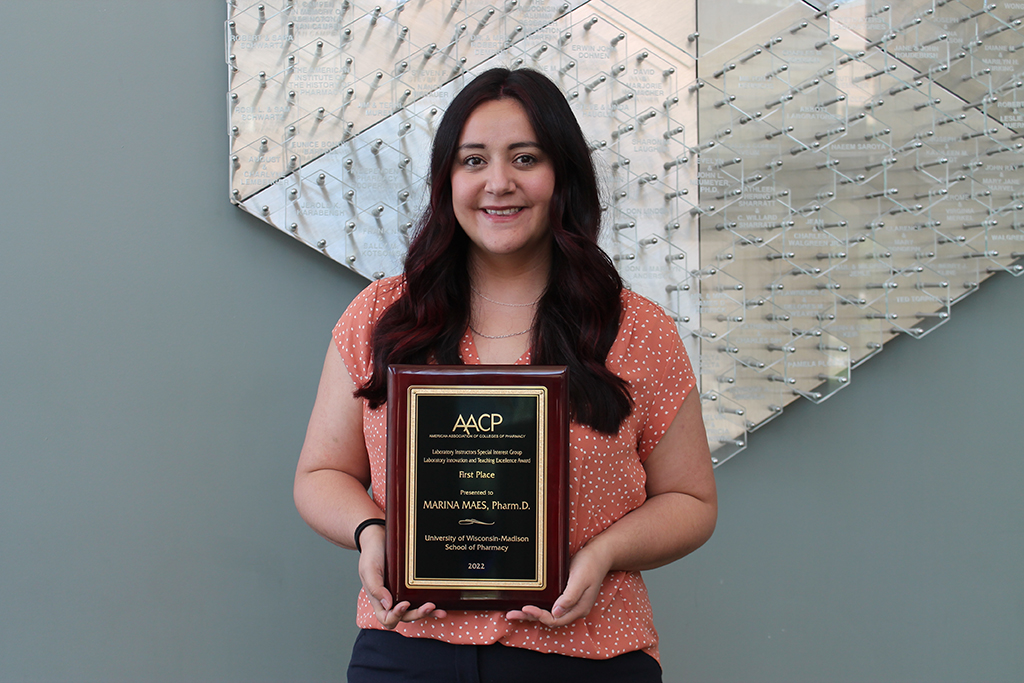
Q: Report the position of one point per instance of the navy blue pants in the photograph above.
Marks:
(386, 656)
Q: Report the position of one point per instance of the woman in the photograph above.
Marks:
(505, 268)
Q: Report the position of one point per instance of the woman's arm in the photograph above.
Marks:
(681, 509)
(677, 518)
(331, 480)
(333, 473)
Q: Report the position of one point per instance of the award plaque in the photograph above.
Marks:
(477, 485)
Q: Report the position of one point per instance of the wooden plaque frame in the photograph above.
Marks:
(477, 504)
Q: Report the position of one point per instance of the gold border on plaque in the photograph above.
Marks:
(412, 497)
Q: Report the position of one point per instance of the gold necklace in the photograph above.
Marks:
(502, 303)
(499, 336)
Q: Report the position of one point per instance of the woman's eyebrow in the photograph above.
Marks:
(514, 145)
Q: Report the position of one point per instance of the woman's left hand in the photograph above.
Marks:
(586, 572)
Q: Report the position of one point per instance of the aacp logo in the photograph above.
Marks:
(486, 422)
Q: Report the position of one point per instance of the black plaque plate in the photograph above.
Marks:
(477, 501)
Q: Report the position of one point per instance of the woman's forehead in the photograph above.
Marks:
(498, 122)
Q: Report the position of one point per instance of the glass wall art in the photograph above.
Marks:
(795, 183)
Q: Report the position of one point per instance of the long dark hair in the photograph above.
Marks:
(578, 315)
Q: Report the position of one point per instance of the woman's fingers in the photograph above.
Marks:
(425, 610)
(586, 573)
(380, 598)
(570, 598)
(528, 613)
(390, 618)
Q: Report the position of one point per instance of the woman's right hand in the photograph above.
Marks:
(331, 481)
(371, 572)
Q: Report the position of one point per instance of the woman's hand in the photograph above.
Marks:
(677, 517)
(586, 572)
(371, 572)
(331, 481)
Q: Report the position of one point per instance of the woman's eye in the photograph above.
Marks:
(472, 161)
(525, 159)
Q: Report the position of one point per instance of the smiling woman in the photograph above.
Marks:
(505, 268)
(560, 300)
(502, 185)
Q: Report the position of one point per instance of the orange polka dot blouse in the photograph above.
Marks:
(606, 478)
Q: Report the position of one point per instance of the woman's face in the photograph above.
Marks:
(502, 183)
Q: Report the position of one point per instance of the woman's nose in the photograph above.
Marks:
(500, 180)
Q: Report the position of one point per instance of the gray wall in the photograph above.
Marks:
(159, 352)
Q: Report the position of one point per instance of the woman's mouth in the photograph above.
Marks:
(503, 212)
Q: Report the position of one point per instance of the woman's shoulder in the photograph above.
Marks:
(650, 353)
(639, 312)
(355, 328)
(376, 297)
(646, 331)
(384, 290)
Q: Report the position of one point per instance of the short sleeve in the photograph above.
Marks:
(354, 329)
(668, 391)
(660, 372)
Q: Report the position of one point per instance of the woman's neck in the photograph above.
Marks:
(507, 279)
(504, 297)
